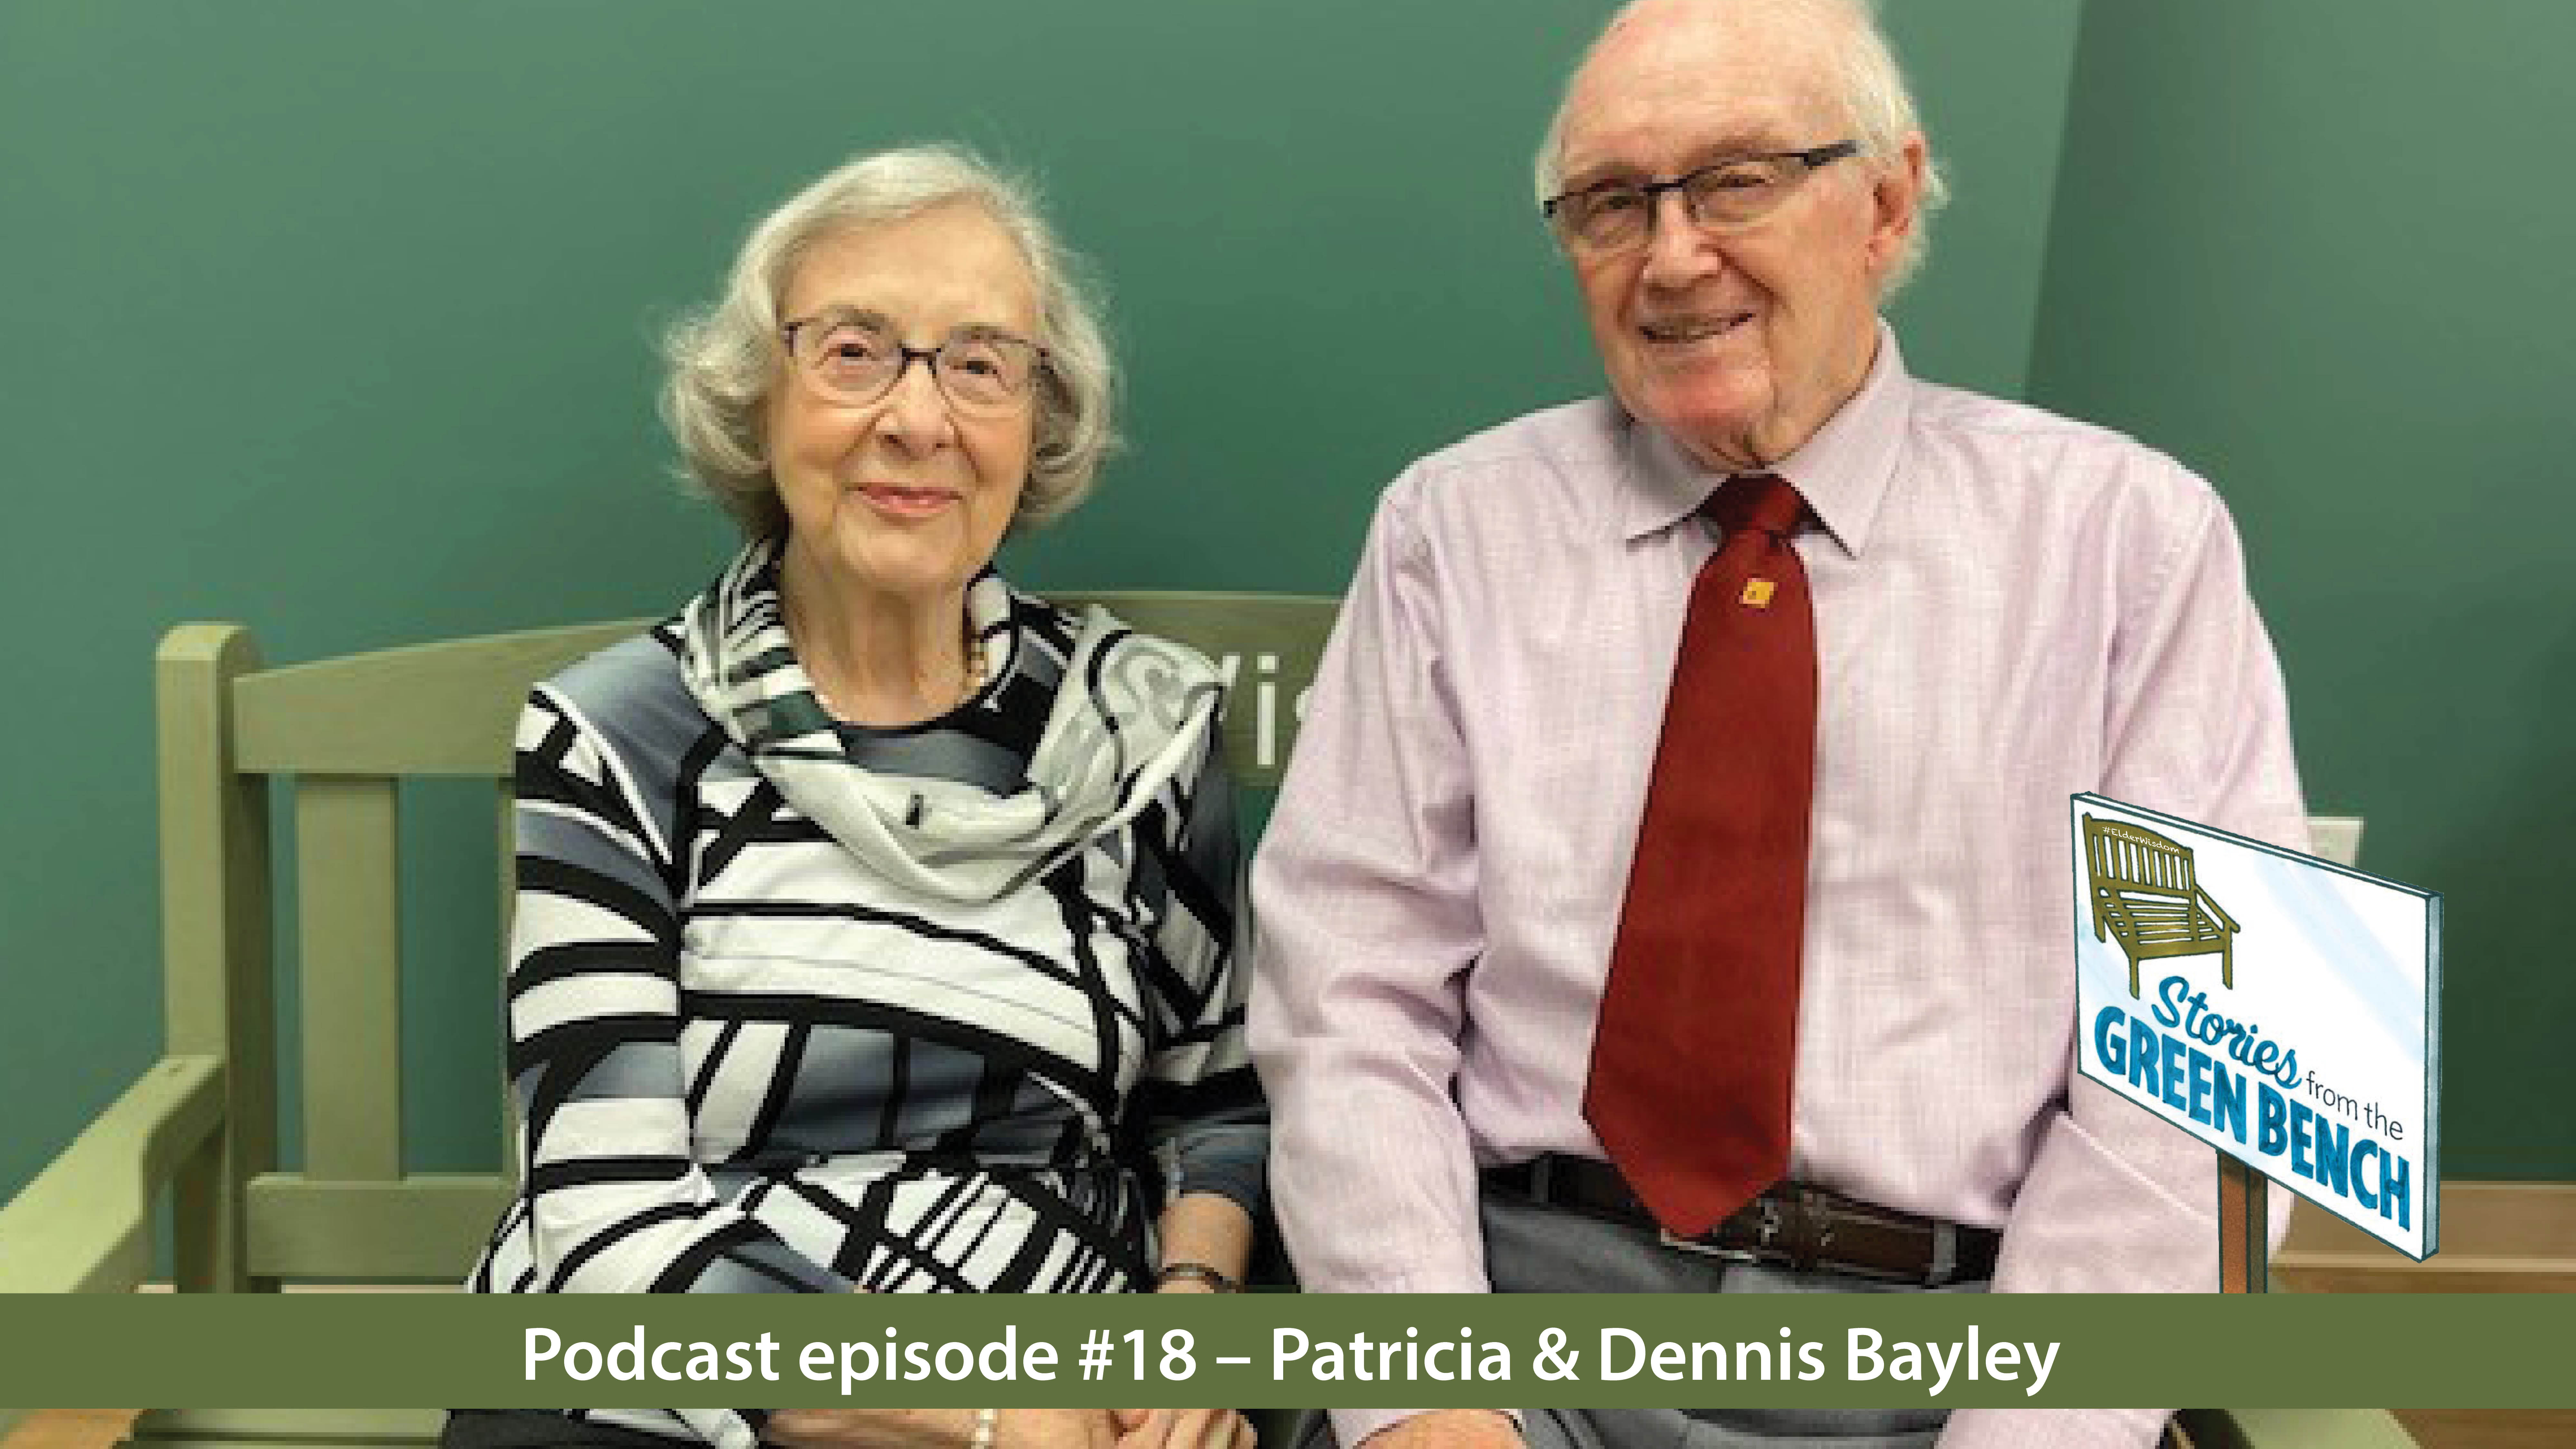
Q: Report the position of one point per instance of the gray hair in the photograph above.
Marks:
(1882, 112)
(725, 359)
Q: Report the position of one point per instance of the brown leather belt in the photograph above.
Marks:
(1790, 1225)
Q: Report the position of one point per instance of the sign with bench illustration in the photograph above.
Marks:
(2295, 1029)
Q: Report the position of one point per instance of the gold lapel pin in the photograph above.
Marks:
(1757, 593)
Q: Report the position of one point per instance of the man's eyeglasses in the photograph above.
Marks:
(1613, 216)
(855, 358)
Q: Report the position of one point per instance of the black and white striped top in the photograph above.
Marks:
(966, 1039)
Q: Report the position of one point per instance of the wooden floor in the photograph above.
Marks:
(71, 1429)
(2490, 1428)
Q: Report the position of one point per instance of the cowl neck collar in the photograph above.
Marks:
(1131, 714)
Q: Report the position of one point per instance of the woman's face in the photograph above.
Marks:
(907, 494)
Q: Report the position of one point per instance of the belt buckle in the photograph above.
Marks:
(1766, 1232)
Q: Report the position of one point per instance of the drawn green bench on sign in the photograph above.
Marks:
(2144, 895)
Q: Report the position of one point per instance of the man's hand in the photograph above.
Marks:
(1182, 1429)
(1056, 1429)
(1449, 1429)
(942, 1429)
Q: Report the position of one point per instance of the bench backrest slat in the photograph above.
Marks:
(422, 711)
(349, 924)
(2127, 857)
(1267, 643)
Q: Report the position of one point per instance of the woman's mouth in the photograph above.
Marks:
(904, 501)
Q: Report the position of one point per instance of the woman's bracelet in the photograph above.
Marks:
(984, 1423)
(1212, 1276)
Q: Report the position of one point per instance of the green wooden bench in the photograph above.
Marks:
(2146, 897)
(202, 1124)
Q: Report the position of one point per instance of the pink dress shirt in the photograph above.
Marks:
(2010, 607)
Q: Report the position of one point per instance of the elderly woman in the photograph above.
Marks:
(874, 918)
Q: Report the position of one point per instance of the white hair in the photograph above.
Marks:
(725, 359)
(1873, 91)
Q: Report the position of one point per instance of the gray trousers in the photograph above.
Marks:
(1535, 1249)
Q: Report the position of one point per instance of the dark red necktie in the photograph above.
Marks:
(1689, 1086)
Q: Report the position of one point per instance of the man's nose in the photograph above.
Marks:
(1678, 251)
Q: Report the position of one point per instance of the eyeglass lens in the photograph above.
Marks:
(1730, 193)
(858, 361)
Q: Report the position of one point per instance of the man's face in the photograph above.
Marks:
(1739, 342)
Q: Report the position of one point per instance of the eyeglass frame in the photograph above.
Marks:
(1812, 159)
(906, 354)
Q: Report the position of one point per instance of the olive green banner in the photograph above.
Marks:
(1288, 1350)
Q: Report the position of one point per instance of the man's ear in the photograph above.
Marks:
(1896, 195)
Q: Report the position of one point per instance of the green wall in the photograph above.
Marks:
(334, 319)
(2317, 249)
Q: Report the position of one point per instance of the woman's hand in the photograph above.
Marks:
(1182, 1429)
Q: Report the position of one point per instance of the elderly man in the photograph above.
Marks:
(1674, 858)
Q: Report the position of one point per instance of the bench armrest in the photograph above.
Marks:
(84, 1224)
(2295, 1429)
(2212, 907)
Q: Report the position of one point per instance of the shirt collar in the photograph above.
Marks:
(1843, 471)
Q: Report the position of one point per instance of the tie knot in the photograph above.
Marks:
(1764, 502)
